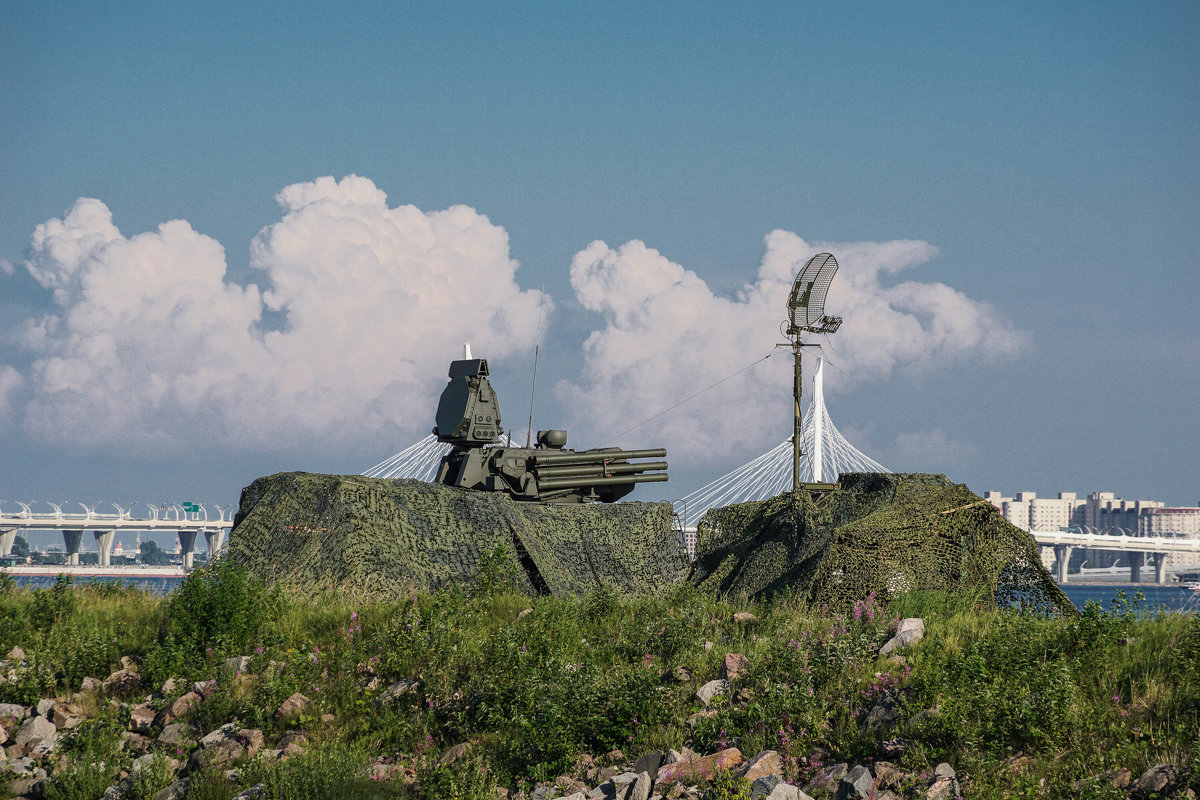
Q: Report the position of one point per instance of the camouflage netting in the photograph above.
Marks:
(882, 533)
(380, 537)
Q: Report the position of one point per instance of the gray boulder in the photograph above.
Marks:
(13, 711)
(33, 731)
(711, 689)
(908, 633)
(1158, 781)
(856, 784)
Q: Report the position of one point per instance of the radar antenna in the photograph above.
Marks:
(806, 314)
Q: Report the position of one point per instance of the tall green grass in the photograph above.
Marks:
(1003, 696)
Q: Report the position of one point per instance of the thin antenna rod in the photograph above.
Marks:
(533, 384)
(532, 390)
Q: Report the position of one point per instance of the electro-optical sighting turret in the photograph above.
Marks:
(468, 417)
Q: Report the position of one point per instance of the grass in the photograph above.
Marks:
(1020, 705)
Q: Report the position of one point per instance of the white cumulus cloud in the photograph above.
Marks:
(151, 344)
(666, 335)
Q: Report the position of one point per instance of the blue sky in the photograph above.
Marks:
(1047, 151)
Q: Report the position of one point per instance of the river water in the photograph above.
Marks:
(1170, 597)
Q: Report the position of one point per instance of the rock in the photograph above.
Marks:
(291, 743)
(641, 787)
(180, 707)
(127, 662)
(681, 675)
(943, 770)
(734, 666)
(176, 791)
(141, 717)
(253, 740)
(744, 616)
(883, 714)
(202, 687)
(168, 686)
(765, 763)
(13, 711)
(26, 787)
(908, 633)
(454, 754)
(785, 791)
(123, 682)
(177, 734)
(942, 789)
(615, 755)
(220, 753)
(1162, 779)
(293, 706)
(711, 689)
(649, 763)
(44, 747)
(709, 645)
(888, 775)
(135, 742)
(763, 786)
(698, 769)
(33, 731)
(20, 766)
(827, 777)
(524, 612)
(253, 793)
(1118, 778)
(16, 654)
(45, 706)
(90, 685)
(856, 784)
(66, 715)
(396, 690)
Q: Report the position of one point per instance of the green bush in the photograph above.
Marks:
(217, 611)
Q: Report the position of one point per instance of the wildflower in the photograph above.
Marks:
(258, 650)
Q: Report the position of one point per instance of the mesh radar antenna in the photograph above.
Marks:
(806, 314)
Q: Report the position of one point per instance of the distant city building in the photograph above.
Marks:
(1102, 512)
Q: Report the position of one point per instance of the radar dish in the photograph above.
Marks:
(806, 303)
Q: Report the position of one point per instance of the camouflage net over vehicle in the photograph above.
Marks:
(379, 537)
(882, 533)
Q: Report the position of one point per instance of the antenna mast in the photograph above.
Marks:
(806, 313)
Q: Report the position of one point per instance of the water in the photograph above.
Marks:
(153, 584)
(1168, 596)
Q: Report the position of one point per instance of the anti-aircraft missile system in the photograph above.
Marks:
(468, 417)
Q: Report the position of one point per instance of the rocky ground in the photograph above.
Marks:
(165, 735)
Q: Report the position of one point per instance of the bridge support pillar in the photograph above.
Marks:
(187, 547)
(104, 542)
(1062, 557)
(7, 537)
(1160, 567)
(216, 540)
(1136, 560)
(72, 540)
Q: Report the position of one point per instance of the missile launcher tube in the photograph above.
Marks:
(602, 470)
(571, 483)
(595, 455)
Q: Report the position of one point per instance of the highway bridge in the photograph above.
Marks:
(186, 520)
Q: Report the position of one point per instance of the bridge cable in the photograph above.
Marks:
(697, 394)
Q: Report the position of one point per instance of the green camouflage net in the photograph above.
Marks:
(378, 537)
(881, 533)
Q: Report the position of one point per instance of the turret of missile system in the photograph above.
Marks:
(468, 417)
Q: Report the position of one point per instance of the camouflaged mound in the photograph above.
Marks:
(882, 533)
(380, 537)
